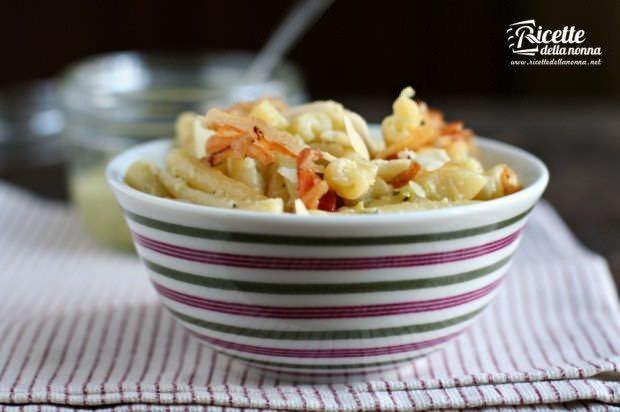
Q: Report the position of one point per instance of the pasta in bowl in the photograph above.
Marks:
(356, 290)
(322, 158)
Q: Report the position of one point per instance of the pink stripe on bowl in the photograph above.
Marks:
(326, 353)
(328, 312)
(288, 263)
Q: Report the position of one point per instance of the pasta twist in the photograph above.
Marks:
(350, 179)
(407, 115)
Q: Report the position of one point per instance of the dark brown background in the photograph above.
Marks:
(362, 52)
(369, 47)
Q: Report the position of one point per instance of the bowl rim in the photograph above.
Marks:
(532, 192)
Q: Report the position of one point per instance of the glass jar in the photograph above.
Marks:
(31, 150)
(117, 100)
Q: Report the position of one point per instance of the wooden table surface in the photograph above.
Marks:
(578, 140)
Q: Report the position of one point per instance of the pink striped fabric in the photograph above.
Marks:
(81, 327)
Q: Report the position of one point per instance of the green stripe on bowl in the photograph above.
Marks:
(323, 288)
(325, 334)
(318, 241)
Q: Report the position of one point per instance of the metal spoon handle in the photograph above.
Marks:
(296, 22)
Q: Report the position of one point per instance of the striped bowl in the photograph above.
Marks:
(323, 295)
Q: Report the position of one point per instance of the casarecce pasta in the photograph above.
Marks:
(321, 158)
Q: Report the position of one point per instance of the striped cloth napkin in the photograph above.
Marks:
(80, 327)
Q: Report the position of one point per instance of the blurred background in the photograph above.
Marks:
(360, 52)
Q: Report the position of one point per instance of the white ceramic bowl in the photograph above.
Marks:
(324, 295)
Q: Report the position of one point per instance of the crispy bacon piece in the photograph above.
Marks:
(236, 125)
(434, 118)
(218, 157)
(310, 186)
(218, 143)
(455, 130)
(267, 144)
(404, 177)
(229, 140)
(330, 201)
